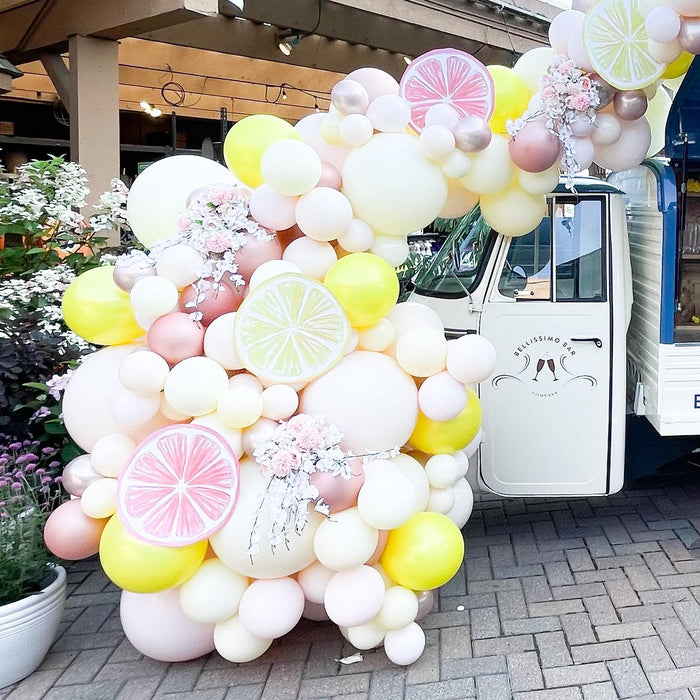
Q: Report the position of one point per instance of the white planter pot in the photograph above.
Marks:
(28, 628)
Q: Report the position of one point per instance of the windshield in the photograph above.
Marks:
(457, 266)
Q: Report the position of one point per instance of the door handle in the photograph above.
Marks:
(596, 341)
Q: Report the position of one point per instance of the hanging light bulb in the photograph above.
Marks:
(316, 107)
(145, 106)
(407, 60)
(284, 94)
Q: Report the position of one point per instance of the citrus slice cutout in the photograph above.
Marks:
(451, 77)
(290, 329)
(179, 487)
(615, 38)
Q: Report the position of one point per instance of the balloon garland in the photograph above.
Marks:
(269, 434)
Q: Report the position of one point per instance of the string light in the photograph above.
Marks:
(284, 94)
(150, 109)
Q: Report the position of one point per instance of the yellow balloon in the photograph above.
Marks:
(513, 211)
(678, 67)
(438, 437)
(140, 567)
(365, 285)
(248, 139)
(512, 95)
(423, 553)
(99, 311)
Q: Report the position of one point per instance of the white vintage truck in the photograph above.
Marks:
(596, 319)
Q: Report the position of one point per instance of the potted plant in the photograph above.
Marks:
(32, 586)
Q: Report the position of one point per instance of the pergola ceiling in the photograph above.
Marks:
(223, 58)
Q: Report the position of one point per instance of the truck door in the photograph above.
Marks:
(548, 405)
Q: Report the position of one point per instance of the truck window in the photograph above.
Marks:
(458, 265)
(576, 225)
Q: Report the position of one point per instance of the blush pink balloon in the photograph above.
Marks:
(381, 544)
(219, 299)
(339, 493)
(330, 176)
(255, 252)
(535, 148)
(175, 337)
(70, 534)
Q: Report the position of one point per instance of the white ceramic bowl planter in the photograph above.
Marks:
(28, 628)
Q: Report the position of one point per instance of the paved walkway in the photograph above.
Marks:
(590, 598)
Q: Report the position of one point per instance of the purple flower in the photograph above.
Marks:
(48, 450)
(15, 445)
(16, 486)
(54, 464)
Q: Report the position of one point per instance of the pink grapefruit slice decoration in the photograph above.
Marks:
(451, 77)
(179, 487)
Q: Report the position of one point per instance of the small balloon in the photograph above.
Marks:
(472, 134)
(689, 35)
(350, 97)
(606, 92)
(630, 104)
(78, 474)
(129, 269)
(535, 148)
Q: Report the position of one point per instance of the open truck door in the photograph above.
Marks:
(555, 303)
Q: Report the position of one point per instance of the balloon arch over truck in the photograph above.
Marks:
(268, 434)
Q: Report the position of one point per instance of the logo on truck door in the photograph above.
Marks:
(545, 365)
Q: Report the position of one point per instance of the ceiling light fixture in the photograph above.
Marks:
(150, 109)
(288, 40)
(407, 60)
(284, 94)
(240, 4)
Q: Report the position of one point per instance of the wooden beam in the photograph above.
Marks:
(101, 18)
(58, 71)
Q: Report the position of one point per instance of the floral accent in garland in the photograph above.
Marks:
(566, 93)
(297, 449)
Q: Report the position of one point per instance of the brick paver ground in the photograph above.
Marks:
(589, 599)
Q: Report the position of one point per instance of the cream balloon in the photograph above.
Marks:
(323, 214)
(442, 471)
(367, 636)
(391, 186)
(358, 237)
(272, 209)
(218, 342)
(413, 469)
(181, 264)
(441, 397)
(231, 543)
(354, 596)
(213, 594)
(491, 170)
(292, 167)
(377, 337)
(279, 402)
(314, 258)
(436, 142)
(356, 130)
(399, 609)
(99, 500)
(532, 65)
(375, 81)
(271, 269)
(393, 249)
(239, 408)
(132, 410)
(143, 372)
(154, 296)
(308, 129)
(422, 351)
(405, 645)
(236, 644)
(513, 212)
(111, 453)
(471, 359)
(159, 194)
(345, 540)
(441, 500)
(389, 113)
(314, 581)
(270, 608)
(461, 511)
(539, 183)
(629, 150)
(195, 385)
(386, 513)
(456, 165)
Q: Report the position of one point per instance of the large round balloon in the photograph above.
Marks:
(513, 212)
(159, 194)
(99, 311)
(87, 400)
(247, 141)
(629, 150)
(155, 624)
(232, 542)
(371, 400)
(392, 186)
(425, 552)
(70, 534)
(512, 95)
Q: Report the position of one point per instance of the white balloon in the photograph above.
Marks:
(461, 511)
(666, 52)
(413, 469)
(244, 379)
(144, 372)
(111, 453)
(195, 385)
(471, 358)
(561, 28)
(441, 500)
(354, 596)
(577, 50)
(323, 214)
(218, 342)
(607, 129)
(629, 150)
(313, 258)
(663, 24)
(133, 410)
(584, 150)
(329, 128)
(272, 209)
(441, 115)
(391, 186)
(314, 581)
(236, 643)
(292, 167)
(279, 402)
(456, 165)
(408, 314)
(382, 512)
(159, 194)
(582, 125)
(99, 500)
(422, 351)
(377, 337)
(213, 593)
(436, 142)
(257, 434)
(367, 636)
(181, 264)
(356, 130)
(154, 296)
(462, 456)
(358, 237)
(442, 471)
(492, 169)
(271, 269)
(270, 608)
(441, 397)
(345, 541)
(393, 249)
(405, 645)
(389, 113)
(375, 81)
